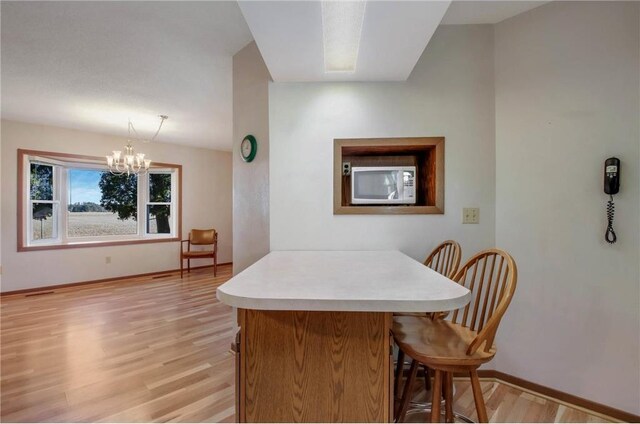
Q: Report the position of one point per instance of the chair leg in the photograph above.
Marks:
(448, 397)
(477, 397)
(189, 266)
(435, 400)
(407, 392)
(215, 265)
(399, 371)
(181, 267)
(427, 378)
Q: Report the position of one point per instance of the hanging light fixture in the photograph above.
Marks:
(131, 162)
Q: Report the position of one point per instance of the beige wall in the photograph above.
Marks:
(206, 203)
(449, 93)
(250, 180)
(567, 80)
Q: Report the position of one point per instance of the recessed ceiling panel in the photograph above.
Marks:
(393, 36)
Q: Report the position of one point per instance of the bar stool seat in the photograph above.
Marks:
(436, 342)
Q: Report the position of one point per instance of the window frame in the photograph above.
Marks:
(54, 202)
(62, 162)
(146, 202)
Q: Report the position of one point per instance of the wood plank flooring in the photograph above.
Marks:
(146, 349)
(156, 349)
(509, 404)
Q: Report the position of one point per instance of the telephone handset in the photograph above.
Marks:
(611, 187)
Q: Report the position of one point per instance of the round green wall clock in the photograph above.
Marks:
(248, 148)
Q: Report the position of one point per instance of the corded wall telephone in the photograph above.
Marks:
(611, 187)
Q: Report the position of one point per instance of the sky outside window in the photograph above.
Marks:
(83, 186)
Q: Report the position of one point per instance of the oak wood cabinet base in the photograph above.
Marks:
(303, 366)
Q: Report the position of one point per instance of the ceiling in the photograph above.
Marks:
(486, 12)
(394, 35)
(92, 65)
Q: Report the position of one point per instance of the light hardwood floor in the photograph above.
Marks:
(156, 349)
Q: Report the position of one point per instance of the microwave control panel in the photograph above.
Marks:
(409, 185)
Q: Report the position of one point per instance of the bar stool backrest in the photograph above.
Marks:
(445, 259)
(491, 276)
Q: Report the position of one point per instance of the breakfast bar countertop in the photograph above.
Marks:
(357, 281)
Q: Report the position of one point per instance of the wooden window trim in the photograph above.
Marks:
(22, 245)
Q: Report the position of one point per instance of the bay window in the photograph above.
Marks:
(74, 201)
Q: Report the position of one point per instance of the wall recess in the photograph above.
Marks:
(426, 154)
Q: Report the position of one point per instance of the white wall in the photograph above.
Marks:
(206, 203)
(450, 93)
(567, 80)
(0, 207)
(250, 180)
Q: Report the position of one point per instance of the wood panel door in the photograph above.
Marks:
(299, 366)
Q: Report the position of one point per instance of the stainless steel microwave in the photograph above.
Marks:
(386, 185)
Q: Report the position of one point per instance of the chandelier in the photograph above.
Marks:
(129, 162)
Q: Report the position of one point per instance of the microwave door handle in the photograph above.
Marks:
(400, 185)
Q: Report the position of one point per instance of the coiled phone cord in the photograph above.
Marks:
(610, 235)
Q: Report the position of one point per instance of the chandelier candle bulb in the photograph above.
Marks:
(110, 161)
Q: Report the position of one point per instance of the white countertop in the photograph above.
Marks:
(367, 281)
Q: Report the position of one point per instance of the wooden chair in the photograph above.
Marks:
(199, 238)
(466, 341)
(444, 259)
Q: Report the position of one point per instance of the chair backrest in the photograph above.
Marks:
(445, 259)
(491, 276)
(203, 236)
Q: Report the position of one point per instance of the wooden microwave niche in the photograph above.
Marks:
(425, 153)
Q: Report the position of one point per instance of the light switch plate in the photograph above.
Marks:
(470, 215)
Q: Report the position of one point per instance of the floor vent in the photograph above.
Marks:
(39, 293)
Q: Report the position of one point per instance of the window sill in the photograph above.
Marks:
(76, 245)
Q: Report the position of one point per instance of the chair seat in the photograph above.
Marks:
(198, 254)
(438, 343)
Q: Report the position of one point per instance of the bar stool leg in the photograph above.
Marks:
(398, 383)
(448, 397)
(435, 400)
(399, 371)
(427, 378)
(407, 392)
(477, 397)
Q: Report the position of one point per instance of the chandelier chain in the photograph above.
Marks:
(152, 139)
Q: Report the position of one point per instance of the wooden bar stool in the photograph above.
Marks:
(465, 342)
(444, 259)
